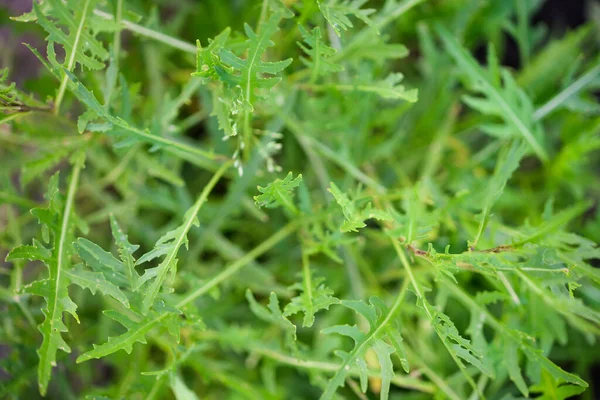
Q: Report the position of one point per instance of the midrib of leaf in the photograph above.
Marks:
(316, 60)
(225, 274)
(332, 385)
(391, 93)
(152, 34)
(71, 62)
(307, 282)
(247, 116)
(44, 377)
(569, 91)
(165, 265)
(528, 135)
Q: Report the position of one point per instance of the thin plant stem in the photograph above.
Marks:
(71, 61)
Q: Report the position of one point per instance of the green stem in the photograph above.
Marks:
(116, 50)
(71, 61)
(432, 375)
(165, 265)
(240, 263)
(345, 165)
(569, 91)
(152, 34)
(429, 313)
(400, 381)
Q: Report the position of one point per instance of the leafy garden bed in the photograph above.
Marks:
(298, 205)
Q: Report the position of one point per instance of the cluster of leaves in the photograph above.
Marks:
(438, 239)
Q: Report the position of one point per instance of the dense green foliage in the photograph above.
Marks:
(317, 199)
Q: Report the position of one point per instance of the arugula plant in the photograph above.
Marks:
(300, 199)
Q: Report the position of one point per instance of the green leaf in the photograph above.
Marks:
(319, 54)
(180, 389)
(354, 216)
(80, 44)
(126, 251)
(511, 360)
(388, 88)
(95, 281)
(170, 243)
(273, 314)
(137, 327)
(337, 13)
(101, 261)
(508, 102)
(279, 193)
(457, 345)
(508, 162)
(314, 296)
(57, 220)
(380, 333)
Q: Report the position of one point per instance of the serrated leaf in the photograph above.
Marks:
(314, 296)
(170, 243)
(319, 54)
(458, 345)
(272, 314)
(136, 333)
(95, 281)
(101, 261)
(380, 319)
(508, 101)
(35, 251)
(511, 360)
(58, 224)
(79, 43)
(126, 251)
(337, 13)
(355, 217)
(279, 193)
